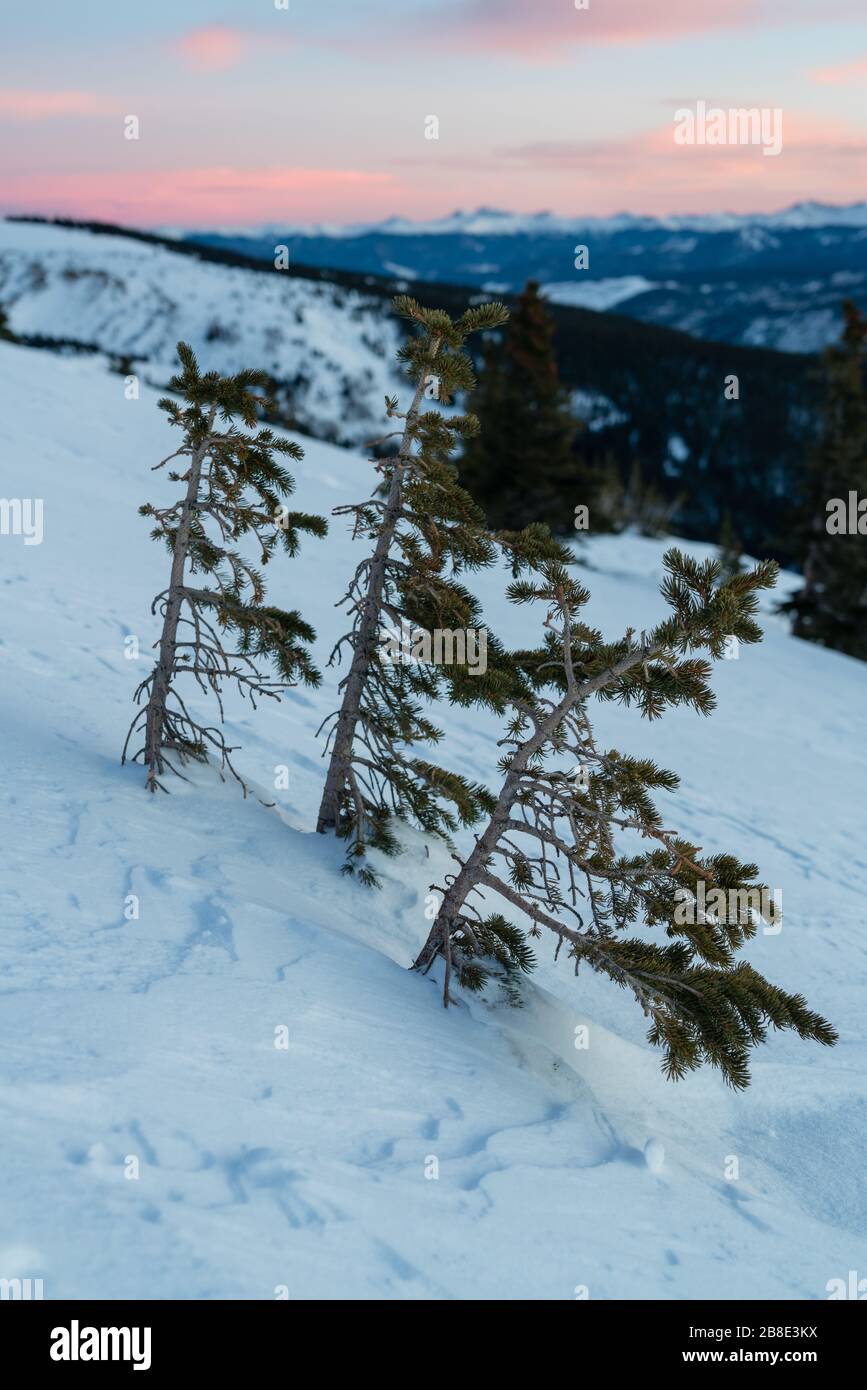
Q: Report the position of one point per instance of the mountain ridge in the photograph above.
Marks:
(501, 221)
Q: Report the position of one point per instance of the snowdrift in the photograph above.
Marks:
(219, 1078)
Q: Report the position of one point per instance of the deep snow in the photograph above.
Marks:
(304, 1168)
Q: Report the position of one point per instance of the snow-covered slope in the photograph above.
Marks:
(333, 346)
(304, 1169)
(598, 294)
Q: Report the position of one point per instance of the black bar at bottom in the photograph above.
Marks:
(153, 1338)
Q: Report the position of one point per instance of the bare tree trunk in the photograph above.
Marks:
(368, 630)
(164, 670)
(475, 867)
(457, 892)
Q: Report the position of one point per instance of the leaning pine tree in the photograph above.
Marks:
(425, 531)
(561, 845)
(235, 488)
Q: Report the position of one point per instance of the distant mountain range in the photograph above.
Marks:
(497, 222)
(328, 338)
(761, 280)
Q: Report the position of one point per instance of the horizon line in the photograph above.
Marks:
(577, 219)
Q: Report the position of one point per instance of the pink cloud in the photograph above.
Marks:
(541, 29)
(550, 31)
(648, 172)
(23, 105)
(842, 73)
(221, 195)
(212, 48)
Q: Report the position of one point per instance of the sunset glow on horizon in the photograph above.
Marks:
(319, 113)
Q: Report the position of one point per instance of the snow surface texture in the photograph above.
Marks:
(311, 1168)
(332, 345)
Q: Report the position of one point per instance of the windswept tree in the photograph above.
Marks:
(426, 532)
(831, 608)
(234, 489)
(562, 843)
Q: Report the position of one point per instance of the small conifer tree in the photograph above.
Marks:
(831, 608)
(560, 844)
(639, 504)
(730, 548)
(426, 532)
(235, 488)
(522, 466)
